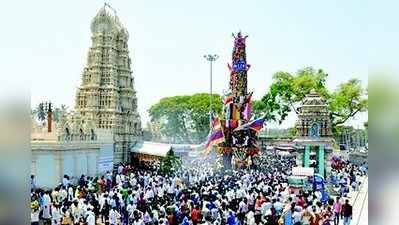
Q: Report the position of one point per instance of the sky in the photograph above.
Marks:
(48, 41)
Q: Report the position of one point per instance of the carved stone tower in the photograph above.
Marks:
(314, 134)
(106, 95)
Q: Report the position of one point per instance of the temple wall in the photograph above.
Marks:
(50, 162)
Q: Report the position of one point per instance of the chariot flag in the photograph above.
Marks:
(248, 111)
(228, 100)
(256, 125)
(231, 124)
(228, 66)
(216, 136)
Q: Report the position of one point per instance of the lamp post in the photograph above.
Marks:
(210, 58)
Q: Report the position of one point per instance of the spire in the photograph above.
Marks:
(106, 19)
(238, 78)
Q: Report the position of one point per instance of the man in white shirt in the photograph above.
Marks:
(130, 209)
(160, 191)
(76, 211)
(56, 215)
(114, 216)
(47, 207)
(242, 209)
(120, 168)
(242, 206)
(65, 181)
(63, 194)
(34, 216)
(149, 194)
(118, 179)
(296, 216)
(90, 217)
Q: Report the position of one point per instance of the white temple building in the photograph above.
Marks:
(105, 124)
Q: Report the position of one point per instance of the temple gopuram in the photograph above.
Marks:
(106, 96)
(104, 126)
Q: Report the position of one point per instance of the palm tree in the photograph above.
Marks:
(40, 112)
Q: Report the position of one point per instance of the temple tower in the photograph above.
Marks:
(106, 96)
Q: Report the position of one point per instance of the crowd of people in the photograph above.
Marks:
(192, 195)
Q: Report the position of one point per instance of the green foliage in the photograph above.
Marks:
(40, 112)
(347, 101)
(259, 109)
(185, 118)
(57, 112)
(170, 163)
(288, 90)
(292, 132)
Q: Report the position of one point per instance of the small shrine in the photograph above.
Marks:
(314, 139)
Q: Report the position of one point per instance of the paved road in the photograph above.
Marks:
(359, 201)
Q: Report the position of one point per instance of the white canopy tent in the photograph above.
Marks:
(154, 149)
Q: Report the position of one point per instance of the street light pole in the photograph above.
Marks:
(210, 58)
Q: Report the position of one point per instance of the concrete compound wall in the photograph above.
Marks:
(51, 164)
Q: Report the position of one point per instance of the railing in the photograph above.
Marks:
(77, 138)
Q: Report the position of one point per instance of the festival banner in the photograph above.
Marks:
(216, 136)
(256, 125)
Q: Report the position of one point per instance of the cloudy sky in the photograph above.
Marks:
(48, 42)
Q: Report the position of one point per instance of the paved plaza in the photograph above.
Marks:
(359, 201)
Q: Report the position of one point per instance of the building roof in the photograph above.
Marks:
(152, 148)
(302, 171)
(285, 147)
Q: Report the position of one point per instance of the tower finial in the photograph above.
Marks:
(110, 7)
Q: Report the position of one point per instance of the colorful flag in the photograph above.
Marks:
(236, 112)
(256, 125)
(228, 100)
(216, 136)
(229, 111)
(248, 97)
(228, 66)
(248, 111)
(231, 124)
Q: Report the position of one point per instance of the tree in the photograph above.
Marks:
(289, 90)
(57, 112)
(185, 118)
(259, 109)
(347, 101)
(292, 132)
(40, 112)
(170, 163)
